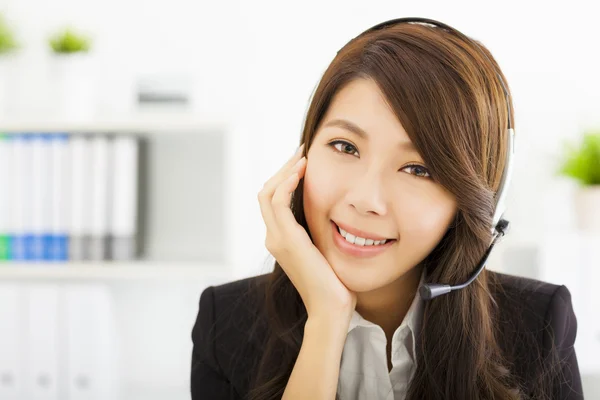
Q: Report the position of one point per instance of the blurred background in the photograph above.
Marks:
(135, 135)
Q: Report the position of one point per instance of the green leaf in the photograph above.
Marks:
(582, 163)
(67, 41)
(7, 39)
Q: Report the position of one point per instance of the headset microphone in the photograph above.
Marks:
(500, 226)
(430, 290)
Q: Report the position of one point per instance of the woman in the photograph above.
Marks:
(404, 146)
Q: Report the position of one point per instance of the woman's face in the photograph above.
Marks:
(372, 184)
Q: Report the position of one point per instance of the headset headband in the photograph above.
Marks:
(500, 205)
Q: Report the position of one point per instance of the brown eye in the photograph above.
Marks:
(344, 147)
(418, 171)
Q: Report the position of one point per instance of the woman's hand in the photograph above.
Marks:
(323, 294)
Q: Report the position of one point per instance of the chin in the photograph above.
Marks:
(360, 280)
(361, 287)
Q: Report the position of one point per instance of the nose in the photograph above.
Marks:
(367, 195)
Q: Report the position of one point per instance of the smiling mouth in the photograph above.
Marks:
(361, 241)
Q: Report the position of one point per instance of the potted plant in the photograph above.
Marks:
(69, 42)
(8, 47)
(582, 163)
(71, 75)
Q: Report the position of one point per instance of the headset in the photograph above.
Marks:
(500, 226)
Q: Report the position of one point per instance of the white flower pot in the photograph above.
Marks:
(7, 84)
(72, 87)
(587, 208)
(3, 88)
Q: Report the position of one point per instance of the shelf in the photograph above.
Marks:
(147, 121)
(130, 392)
(136, 270)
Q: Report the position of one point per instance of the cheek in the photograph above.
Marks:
(314, 190)
(319, 192)
(427, 218)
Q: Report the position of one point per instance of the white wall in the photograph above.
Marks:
(257, 63)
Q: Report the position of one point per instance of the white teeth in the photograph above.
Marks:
(350, 237)
(358, 240)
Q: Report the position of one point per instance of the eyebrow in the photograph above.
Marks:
(350, 126)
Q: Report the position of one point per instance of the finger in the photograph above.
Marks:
(266, 210)
(271, 185)
(300, 167)
(265, 197)
(282, 212)
(285, 183)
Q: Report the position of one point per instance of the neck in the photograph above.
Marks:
(387, 306)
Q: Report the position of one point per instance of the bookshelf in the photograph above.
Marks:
(182, 200)
(114, 271)
(144, 122)
(186, 243)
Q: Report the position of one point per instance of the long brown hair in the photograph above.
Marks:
(447, 95)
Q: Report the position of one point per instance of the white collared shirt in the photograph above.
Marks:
(364, 369)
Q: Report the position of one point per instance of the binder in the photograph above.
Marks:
(41, 176)
(79, 218)
(60, 197)
(21, 197)
(11, 341)
(42, 342)
(90, 337)
(99, 179)
(123, 219)
(5, 167)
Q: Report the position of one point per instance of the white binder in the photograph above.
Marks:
(80, 217)
(41, 199)
(60, 197)
(99, 199)
(124, 212)
(5, 179)
(11, 341)
(42, 342)
(21, 195)
(91, 345)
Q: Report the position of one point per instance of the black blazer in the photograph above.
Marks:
(225, 349)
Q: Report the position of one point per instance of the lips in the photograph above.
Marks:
(356, 250)
(359, 233)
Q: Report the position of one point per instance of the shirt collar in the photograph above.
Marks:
(411, 321)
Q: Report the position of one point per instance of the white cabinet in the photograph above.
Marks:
(186, 179)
